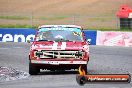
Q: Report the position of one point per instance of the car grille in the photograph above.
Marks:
(60, 54)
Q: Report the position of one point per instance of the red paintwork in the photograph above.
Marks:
(124, 11)
(48, 45)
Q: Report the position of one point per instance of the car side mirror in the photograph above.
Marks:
(29, 41)
(89, 41)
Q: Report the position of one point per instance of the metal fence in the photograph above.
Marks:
(90, 22)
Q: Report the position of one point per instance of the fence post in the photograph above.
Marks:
(118, 27)
(74, 19)
(31, 18)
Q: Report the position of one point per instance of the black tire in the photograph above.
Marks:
(52, 70)
(33, 70)
(81, 80)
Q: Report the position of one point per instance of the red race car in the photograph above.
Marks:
(58, 47)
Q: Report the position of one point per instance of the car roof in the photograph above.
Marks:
(73, 26)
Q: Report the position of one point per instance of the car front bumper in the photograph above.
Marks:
(54, 65)
(57, 62)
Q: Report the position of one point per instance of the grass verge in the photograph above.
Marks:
(17, 26)
(36, 26)
(14, 17)
(53, 18)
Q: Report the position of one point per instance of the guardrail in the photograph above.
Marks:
(112, 38)
(108, 38)
(16, 34)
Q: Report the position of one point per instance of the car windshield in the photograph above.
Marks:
(59, 34)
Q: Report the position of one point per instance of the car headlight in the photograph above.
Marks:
(37, 53)
(86, 48)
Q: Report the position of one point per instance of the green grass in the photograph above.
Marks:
(17, 26)
(53, 18)
(36, 26)
(14, 17)
(107, 29)
(101, 19)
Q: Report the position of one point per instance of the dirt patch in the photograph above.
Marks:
(81, 7)
(73, 12)
(8, 74)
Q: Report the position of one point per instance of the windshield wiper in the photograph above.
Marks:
(69, 40)
(63, 40)
(45, 40)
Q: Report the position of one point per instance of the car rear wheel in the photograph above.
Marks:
(33, 70)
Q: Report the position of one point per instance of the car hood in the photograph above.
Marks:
(58, 45)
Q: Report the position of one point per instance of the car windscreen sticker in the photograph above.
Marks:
(60, 28)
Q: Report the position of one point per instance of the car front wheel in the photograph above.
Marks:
(33, 70)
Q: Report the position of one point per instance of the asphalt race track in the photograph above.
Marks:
(102, 60)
